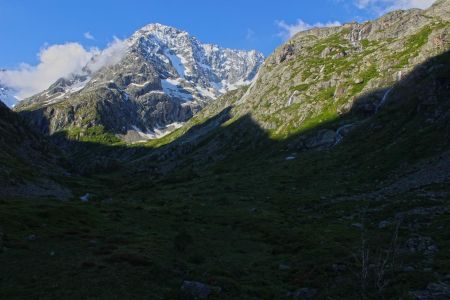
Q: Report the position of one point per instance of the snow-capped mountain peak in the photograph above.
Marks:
(206, 65)
(160, 75)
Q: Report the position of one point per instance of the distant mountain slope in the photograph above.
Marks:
(6, 96)
(163, 77)
(28, 162)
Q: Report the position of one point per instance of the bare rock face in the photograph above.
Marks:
(286, 53)
(162, 77)
(440, 9)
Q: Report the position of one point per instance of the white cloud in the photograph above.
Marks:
(250, 35)
(289, 30)
(89, 36)
(383, 6)
(113, 54)
(58, 61)
(55, 62)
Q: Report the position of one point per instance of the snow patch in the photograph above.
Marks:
(140, 84)
(172, 87)
(178, 62)
(157, 132)
(209, 93)
(76, 87)
(156, 92)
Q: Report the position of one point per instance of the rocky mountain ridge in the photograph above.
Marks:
(324, 73)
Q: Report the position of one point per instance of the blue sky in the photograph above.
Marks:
(30, 27)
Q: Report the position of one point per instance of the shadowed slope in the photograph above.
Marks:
(28, 161)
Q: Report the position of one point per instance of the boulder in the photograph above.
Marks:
(198, 290)
(434, 291)
(324, 138)
(358, 80)
(303, 293)
(85, 198)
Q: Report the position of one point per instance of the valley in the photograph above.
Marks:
(319, 172)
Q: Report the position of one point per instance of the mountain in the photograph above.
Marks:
(144, 87)
(337, 78)
(319, 74)
(325, 178)
(7, 95)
